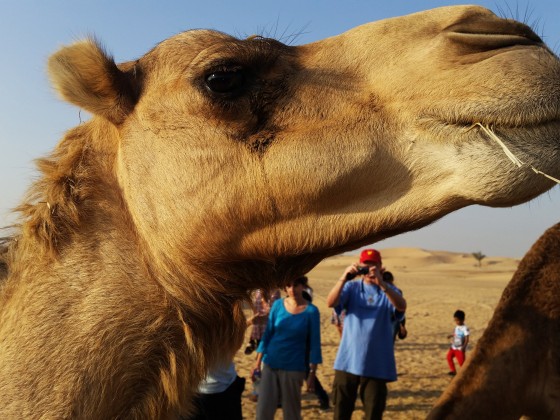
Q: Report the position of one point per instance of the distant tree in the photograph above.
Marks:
(479, 256)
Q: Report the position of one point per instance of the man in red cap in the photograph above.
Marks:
(365, 360)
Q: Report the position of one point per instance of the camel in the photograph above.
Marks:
(514, 370)
(212, 166)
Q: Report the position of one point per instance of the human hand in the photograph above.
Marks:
(256, 371)
(350, 272)
(310, 382)
(377, 277)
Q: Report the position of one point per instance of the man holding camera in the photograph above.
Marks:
(365, 361)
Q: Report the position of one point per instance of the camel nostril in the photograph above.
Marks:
(488, 32)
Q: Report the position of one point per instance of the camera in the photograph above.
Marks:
(361, 271)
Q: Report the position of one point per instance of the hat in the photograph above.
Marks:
(371, 256)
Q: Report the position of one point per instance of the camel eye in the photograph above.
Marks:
(226, 82)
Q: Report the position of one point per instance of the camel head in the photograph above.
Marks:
(260, 159)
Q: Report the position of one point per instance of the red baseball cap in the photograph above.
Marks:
(370, 256)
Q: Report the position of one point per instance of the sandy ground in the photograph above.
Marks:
(435, 284)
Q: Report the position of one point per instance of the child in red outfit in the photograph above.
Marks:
(459, 342)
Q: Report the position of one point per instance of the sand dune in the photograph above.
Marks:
(435, 284)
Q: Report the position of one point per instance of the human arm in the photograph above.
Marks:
(393, 295)
(465, 343)
(315, 355)
(255, 318)
(465, 339)
(258, 364)
(265, 340)
(333, 297)
(310, 382)
(395, 298)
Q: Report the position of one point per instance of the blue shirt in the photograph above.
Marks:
(285, 340)
(366, 347)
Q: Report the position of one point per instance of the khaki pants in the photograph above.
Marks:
(373, 394)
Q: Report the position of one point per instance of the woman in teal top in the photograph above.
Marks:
(291, 345)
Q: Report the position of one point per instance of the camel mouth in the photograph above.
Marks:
(516, 120)
(515, 160)
(547, 129)
(545, 133)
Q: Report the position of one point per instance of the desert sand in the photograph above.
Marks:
(435, 284)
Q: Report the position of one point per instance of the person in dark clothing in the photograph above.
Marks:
(219, 395)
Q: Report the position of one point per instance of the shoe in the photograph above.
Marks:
(452, 373)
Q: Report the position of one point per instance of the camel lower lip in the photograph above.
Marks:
(437, 123)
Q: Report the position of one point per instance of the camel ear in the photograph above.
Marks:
(85, 75)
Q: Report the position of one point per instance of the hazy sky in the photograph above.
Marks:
(32, 120)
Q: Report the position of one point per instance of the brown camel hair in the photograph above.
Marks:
(213, 166)
(515, 369)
